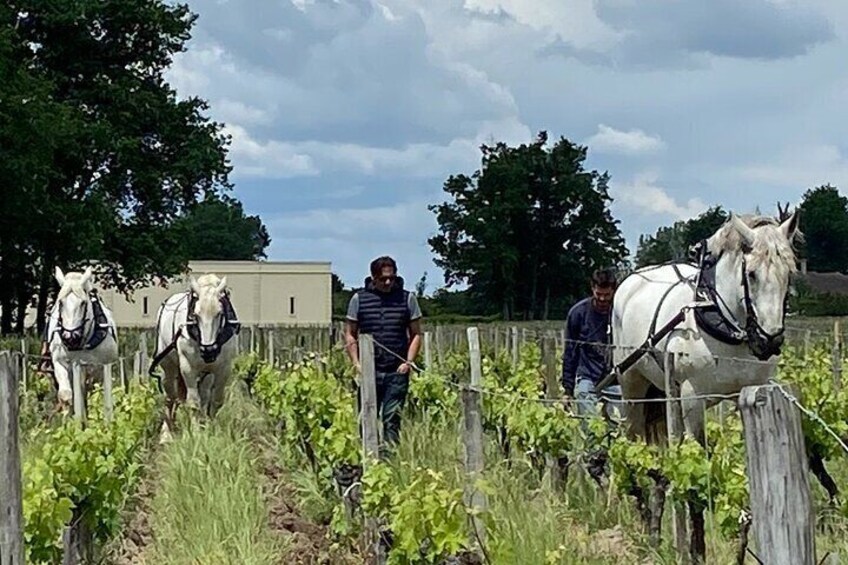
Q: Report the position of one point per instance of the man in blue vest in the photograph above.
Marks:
(392, 316)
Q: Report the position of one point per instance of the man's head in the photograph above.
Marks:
(383, 273)
(603, 288)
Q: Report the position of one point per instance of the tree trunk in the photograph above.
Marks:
(43, 293)
(23, 303)
(7, 306)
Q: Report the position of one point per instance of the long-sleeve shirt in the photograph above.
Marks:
(580, 359)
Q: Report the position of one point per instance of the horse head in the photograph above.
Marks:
(755, 265)
(209, 314)
(73, 304)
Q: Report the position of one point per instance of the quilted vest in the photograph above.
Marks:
(386, 317)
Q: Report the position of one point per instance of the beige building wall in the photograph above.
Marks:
(263, 293)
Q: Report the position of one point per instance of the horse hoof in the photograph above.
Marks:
(65, 396)
(165, 436)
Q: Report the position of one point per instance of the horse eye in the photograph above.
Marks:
(752, 276)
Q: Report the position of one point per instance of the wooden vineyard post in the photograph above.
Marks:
(24, 368)
(370, 438)
(439, 343)
(513, 334)
(123, 370)
(11, 495)
(428, 351)
(142, 359)
(108, 400)
(472, 438)
(674, 423)
(781, 505)
(837, 355)
(557, 466)
(78, 384)
(270, 348)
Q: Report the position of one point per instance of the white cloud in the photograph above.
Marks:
(271, 159)
(800, 167)
(575, 21)
(352, 237)
(645, 195)
(284, 159)
(632, 142)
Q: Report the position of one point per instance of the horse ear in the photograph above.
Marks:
(747, 234)
(60, 276)
(222, 285)
(790, 225)
(86, 276)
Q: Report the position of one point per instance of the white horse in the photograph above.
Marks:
(80, 329)
(731, 309)
(195, 346)
(726, 342)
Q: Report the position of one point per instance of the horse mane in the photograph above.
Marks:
(208, 303)
(73, 285)
(770, 248)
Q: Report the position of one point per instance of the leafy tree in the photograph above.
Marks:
(672, 243)
(526, 230)
(341, 297)
(218, 229)
(824, 222)
(127, 158)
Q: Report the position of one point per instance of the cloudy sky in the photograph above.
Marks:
(347, 115)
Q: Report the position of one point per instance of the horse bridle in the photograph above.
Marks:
(753, 331)
(74, 338)
(228, 327)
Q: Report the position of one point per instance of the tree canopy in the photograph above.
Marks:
(102, 159)
(824, 223)
(218, 229)
(672, 243)
(526, 230)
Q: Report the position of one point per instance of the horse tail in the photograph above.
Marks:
(656, 428)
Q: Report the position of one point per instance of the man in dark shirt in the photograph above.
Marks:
(587, 355)
(393, 317)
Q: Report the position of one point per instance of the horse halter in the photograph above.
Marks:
(73, 338)
(228, 327)
(761, 343)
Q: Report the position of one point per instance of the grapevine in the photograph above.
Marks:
(86, 472)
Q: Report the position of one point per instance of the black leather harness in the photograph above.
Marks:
(708, 315)
(229, 327)
(99, 331)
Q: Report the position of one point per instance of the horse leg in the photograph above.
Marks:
(190, 377)
(634, 386)
(219, 386)
(61, 372)
(171, 382)
(694, 412)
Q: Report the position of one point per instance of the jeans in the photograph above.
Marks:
(587, 405)
(391, 397)
(587, 399)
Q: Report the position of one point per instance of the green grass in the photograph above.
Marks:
(209, 505)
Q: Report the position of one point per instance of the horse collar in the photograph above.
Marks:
(712, 318)
(226, 330)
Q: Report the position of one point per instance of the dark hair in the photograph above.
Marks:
(604, 278)
(378, 264)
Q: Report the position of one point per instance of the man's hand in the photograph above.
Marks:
(404, 368)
